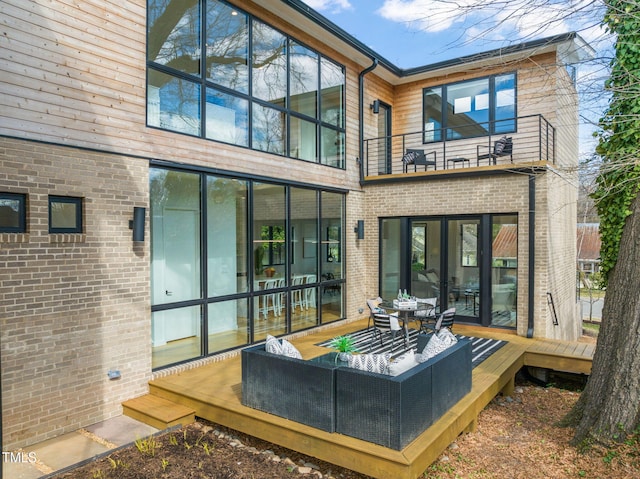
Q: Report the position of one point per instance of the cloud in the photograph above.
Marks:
(498, 20)
(335, 6)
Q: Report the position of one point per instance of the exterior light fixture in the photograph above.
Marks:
(375, 106)
(359, 230)
(137, 223)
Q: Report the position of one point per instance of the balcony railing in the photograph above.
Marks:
(533, 138)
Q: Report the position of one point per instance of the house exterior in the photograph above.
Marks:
(588, 246)
(178, 182)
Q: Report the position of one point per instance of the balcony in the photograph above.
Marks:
(533, 139)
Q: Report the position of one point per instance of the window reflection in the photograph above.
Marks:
(227, 118)
(227, 48)
(269, 62)
(303, 75)
(269, 129)
(173, 103)
(173, 36)
(297, 96)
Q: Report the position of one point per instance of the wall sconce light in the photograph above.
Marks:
(375, 106)
(359, 230)
(137, 223)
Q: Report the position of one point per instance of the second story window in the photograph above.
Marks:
(484, 106)
(216, 72)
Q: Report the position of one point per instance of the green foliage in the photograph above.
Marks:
(619, 135)
(147, 446)
(344, 344)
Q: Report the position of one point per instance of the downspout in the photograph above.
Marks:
(532, 253)
(361, 116)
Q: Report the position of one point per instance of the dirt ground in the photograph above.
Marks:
(516, 438)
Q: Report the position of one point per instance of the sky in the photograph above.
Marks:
(412, 33)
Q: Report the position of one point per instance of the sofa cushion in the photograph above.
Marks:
(402, 363)
(374, 363)
(272, 345)
(290, 350)
(438, 343)
(281, 347)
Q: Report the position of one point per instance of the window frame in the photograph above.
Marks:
(442, 134)
(73, 200)
(22, 212)
(321, 121)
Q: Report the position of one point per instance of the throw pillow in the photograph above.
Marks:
(439, 342)
(374, 363)
(290, 350)
(402, 363)
(410, 158)
(272, 345)
(499, 146)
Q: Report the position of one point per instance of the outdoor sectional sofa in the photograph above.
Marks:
(387, 410)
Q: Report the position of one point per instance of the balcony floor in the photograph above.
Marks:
(214, 391)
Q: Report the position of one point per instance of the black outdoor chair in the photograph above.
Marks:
(502, 147)
(444, 321)
(418, 158)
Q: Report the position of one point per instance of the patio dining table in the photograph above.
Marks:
(403, 313)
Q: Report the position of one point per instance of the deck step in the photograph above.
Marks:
(158, 412)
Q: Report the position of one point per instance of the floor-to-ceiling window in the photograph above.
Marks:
(235, 259)
(332, 256)
(216, 72)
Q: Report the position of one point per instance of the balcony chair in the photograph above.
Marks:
(502, 147)
(418, 158)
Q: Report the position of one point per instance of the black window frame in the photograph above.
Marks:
(74, 200)
(492, 108)
(205, 85)
(22, 212)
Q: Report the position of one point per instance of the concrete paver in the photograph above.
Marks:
(66, 450)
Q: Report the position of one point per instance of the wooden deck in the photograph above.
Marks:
(214, 391)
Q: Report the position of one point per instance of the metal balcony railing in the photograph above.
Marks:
(533, 138)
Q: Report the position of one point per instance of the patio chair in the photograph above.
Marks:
(383, 323)
(428, 314)
(444, 321)
(502, 147)
(418, 158)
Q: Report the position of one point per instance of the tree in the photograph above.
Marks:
(609, 407)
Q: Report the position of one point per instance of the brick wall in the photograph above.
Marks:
(71, 306)
(494, 194)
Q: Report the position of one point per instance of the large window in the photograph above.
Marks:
(234, 259)
(260, 88)
(470, 109)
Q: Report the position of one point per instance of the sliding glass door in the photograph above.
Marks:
(467, 262)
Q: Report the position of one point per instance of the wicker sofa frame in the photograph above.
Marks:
(302, 391)
(387, 410)
(393, 410)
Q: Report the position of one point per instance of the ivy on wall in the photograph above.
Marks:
(619, 135)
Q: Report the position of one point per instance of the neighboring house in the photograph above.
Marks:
(588, 246)
(256, 149)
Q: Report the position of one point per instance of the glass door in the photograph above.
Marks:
(384, 133)
(426, 258)
(462, 283)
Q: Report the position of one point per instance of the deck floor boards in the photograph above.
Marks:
(214, 392)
